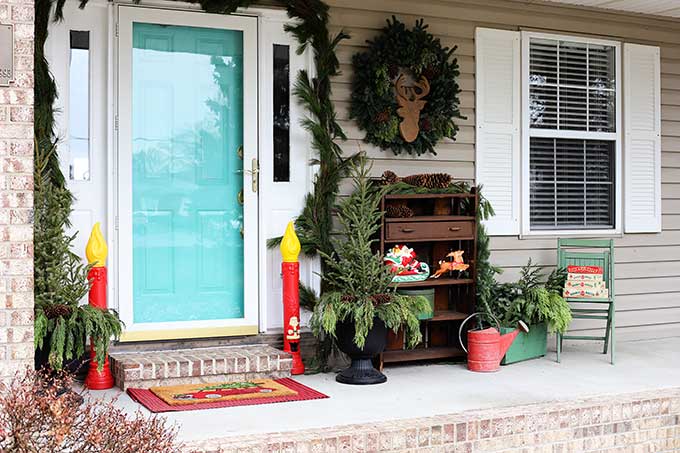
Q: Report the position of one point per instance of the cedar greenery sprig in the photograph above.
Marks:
(534, 298)
(357, 280)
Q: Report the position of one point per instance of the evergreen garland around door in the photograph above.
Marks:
(405, 90)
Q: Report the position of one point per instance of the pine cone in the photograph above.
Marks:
(438, 181)
(413, 180)
(382, 117)
(389, 177)
(399, 211)
(429, 180)
(425, 125)
(347, 298)
(381, 299)
(57, 311)
(393, 71)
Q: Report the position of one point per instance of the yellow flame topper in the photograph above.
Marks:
(290, 245)
(96, 249)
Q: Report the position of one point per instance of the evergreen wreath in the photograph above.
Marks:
(393, 55)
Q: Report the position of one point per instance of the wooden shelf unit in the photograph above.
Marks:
(433, 353)
(433, 236)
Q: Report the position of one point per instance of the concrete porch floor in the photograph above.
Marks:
(428, 390)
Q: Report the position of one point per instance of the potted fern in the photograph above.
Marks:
(535, 299)
(360, 304)
(62, 323)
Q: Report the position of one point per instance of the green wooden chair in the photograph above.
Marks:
(590, 252)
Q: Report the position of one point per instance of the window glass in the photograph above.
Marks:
(572, 86)
(79, 106)
(572, 92)
(571, 183)
(281, 113)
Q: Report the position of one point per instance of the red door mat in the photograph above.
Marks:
(191, 397)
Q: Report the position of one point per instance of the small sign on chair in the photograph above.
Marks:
(585, 282)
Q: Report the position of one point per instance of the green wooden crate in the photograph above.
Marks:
(527, 345)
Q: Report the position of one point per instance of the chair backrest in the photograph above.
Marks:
(588, 252)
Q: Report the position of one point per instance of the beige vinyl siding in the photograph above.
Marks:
(647, 265)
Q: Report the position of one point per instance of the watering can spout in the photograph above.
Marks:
(508, 338)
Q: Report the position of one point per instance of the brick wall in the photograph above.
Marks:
(637, 423)
(16, 195)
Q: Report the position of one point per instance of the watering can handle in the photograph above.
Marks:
(462, 324)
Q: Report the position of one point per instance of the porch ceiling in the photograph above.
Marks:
(667, 8)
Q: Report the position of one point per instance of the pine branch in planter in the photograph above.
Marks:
(61, 324)
(356, 279)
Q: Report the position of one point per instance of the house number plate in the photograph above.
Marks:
(6, 54)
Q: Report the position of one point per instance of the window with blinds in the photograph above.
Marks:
(572, 128)
(572, 183)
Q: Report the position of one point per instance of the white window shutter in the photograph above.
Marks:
(498, 125)
(642, 144)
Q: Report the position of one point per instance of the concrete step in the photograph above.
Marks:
(274, 338)
(146, 369)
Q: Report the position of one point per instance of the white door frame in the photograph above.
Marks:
(280, 201)
(247, 325)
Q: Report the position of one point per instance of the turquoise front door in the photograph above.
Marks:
(188, 199)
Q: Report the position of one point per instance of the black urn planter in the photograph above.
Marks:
(76, 367)
(361, 371)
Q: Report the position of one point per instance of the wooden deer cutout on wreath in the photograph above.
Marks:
(411, 102)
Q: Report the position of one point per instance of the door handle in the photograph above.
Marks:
(454, 228)
(254, 173)
(407, 230)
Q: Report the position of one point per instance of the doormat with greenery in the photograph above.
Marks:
(223, 394)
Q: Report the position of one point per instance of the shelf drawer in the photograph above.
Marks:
(420, 231)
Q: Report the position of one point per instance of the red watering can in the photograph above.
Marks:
(487, 346)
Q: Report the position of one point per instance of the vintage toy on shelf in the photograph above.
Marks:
(402, 260)
(456, 263)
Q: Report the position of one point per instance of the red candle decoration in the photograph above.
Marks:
(290, 270)
(96, 252)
